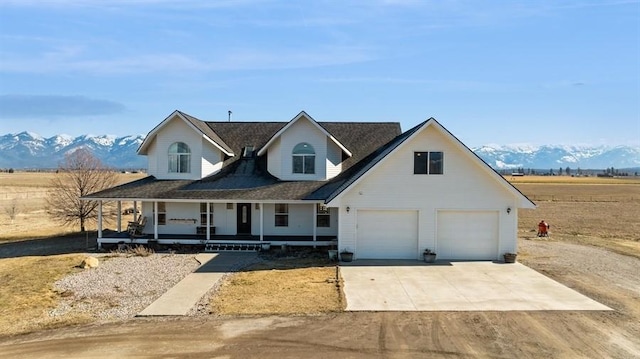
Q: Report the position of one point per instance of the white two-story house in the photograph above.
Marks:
(367, 187)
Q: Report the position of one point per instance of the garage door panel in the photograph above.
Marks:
(468, 235)
(387, 234)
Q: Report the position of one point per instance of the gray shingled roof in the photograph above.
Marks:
(248, 179)
(332, 188)
(361, 138)
(208, 131)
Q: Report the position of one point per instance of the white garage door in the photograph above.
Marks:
(471, 235)
(387, 235)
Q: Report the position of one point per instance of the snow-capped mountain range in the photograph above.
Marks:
(29, 150)
(556, 156)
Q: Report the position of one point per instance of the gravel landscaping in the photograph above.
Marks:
(122, 285)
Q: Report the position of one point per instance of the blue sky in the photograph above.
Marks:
(505, 72)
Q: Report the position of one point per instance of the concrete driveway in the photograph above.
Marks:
(377, 285)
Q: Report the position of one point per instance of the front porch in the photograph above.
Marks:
(202, 222)
(196, 239)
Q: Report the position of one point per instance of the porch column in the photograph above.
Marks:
(261, 222)
(135, 211)
(155, 220)
(315, 223)
(208, 221)
(100, 219)
(119, 224)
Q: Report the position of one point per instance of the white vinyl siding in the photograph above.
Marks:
(300, 221)
(334, 159)
(152, 159)
(301, 131)
(464, 185)
(274, 158)
(177, 131)
(211, 159)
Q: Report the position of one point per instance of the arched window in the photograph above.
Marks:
(179, 158)
(304, 159)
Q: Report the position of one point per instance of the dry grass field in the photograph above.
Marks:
(27, 294)
(285, 286)
(27, 192)
(595, 211)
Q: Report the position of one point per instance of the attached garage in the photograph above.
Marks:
(387, 234)
(469, 235)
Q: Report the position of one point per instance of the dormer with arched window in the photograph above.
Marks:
(303, 150)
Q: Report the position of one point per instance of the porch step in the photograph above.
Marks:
(228, 247)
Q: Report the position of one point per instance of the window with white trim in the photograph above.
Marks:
(203, 214)
(162, 213)
(323, 216)
(304, 159)
(179, 158)
(281, 215)
(428, 163)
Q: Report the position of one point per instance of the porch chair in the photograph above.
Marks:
(135, 228)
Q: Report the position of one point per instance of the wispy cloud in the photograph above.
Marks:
(47, 106)
(439, 85)
(131, 3)
(72, 59)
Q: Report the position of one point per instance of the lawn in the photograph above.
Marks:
(282, 286)
(26, 294)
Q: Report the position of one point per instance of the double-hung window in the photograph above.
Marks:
(179, 158)
(203, 214)
(281, 215)
(428, 163)
(304, 159)
(323, 216)
(162, 213)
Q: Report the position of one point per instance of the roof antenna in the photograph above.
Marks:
(230, 115)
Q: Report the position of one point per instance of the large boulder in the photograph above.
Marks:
(89, 262)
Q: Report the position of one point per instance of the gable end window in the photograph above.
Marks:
(428, 163)
(179, 158)
(304, 159)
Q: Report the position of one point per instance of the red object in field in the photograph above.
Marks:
(543, 229)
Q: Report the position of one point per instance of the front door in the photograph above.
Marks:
(244, 218)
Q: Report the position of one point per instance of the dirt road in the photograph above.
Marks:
(604, 276)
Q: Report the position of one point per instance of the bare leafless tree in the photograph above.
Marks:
(12, 210)
(80, 174)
